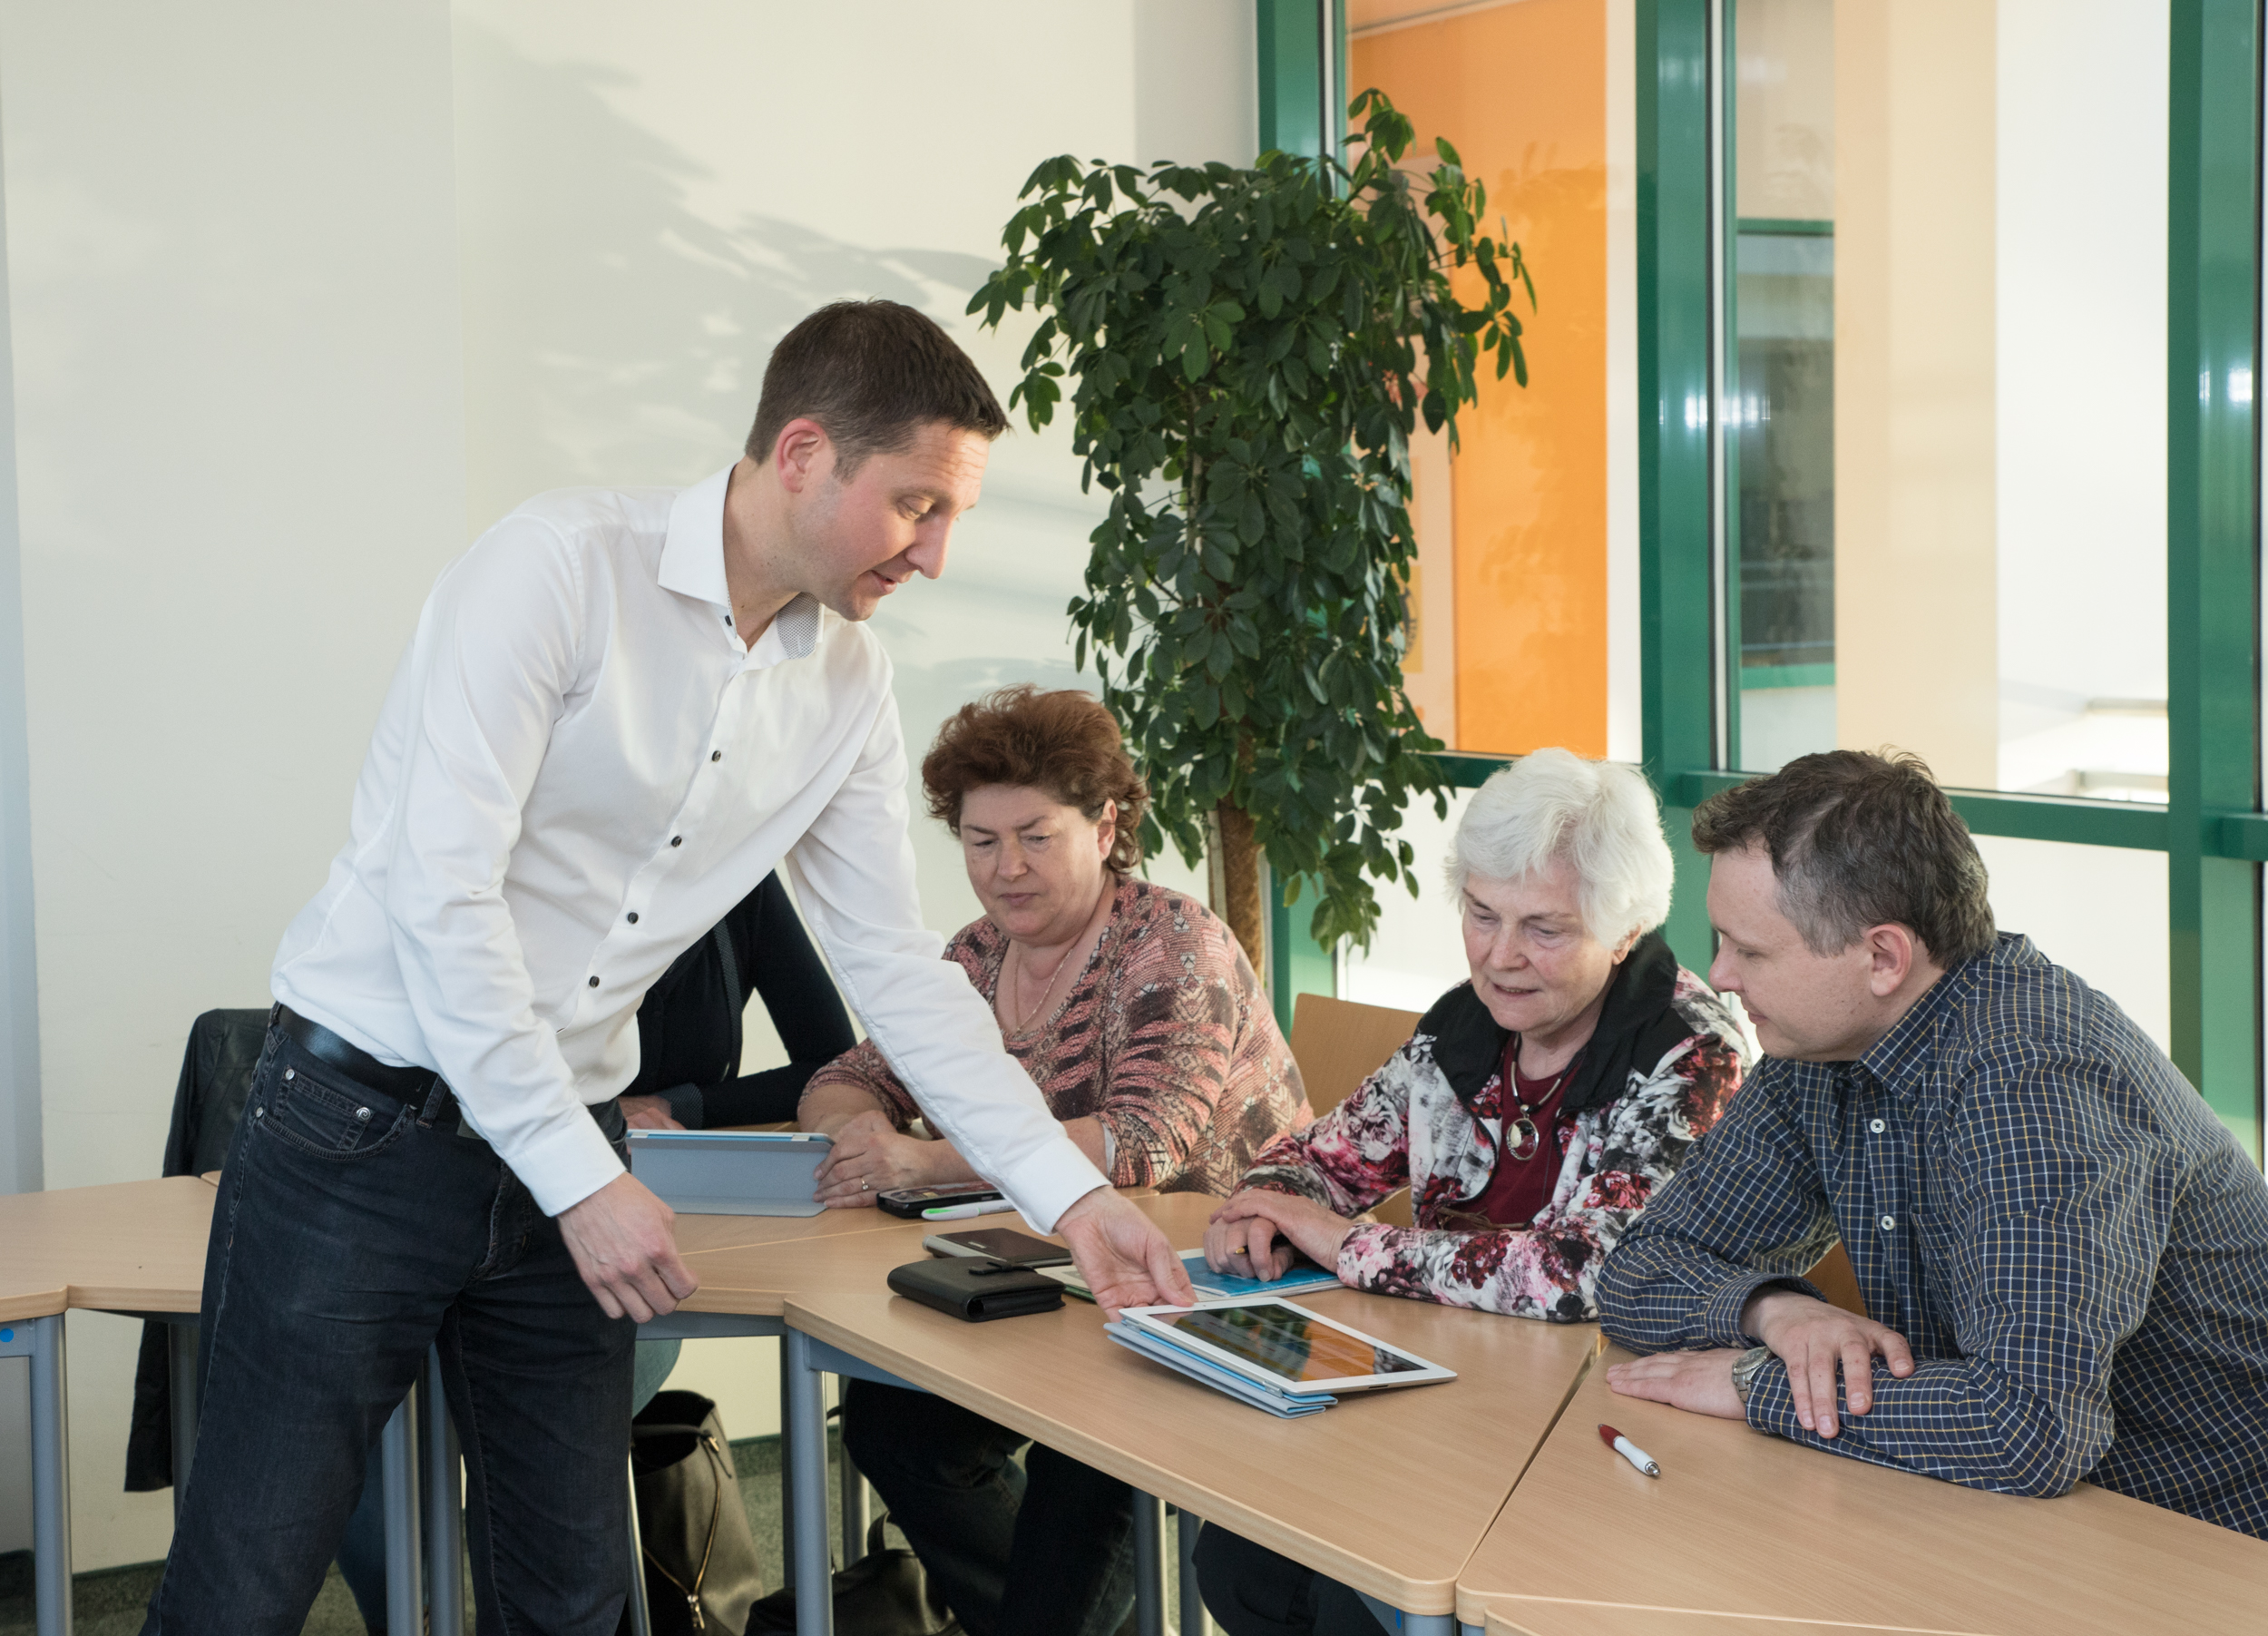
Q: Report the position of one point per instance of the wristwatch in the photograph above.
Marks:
(1744, 1369)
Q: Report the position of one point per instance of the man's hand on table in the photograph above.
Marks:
(1810, 1336)
(1124, 1257)
(871, 1156)
(624, 1246)
(1698, 1382)
(1256, 1234)
(1813, 1338)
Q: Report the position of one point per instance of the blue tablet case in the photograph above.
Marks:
(732, 1173)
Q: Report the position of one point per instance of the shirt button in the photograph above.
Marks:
(716, 755)
(1876, 1125)
(633, 917)
(677, 840)
(1890, 1223)
(595, 983)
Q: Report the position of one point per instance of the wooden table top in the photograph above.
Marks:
(1839, 1541)
(1531, 1617)
(130, 1247)
(19, 1303)
(1388, 1491)
(140, 1246)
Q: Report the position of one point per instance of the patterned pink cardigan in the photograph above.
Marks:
(1671, 1055)
(1165, 1037)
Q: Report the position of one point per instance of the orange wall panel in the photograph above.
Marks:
(1522, 91)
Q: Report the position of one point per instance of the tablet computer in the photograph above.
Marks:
(1282, 1345)
(732, 1172)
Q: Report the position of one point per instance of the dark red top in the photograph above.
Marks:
(1519, 1188)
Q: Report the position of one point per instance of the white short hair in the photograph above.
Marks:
(1601, 817)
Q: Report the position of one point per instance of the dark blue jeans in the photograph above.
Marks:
(1046, 1549)
(346, 1238)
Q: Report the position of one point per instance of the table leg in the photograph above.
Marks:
(51, 1476)
(397, 1462)
(786, 1480)
(1194, 1621)
(445, 1509)
(181, 1346)
(1149, 1565)
(806, 1447)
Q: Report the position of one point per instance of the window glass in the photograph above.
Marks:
(1946, 420)
(2101, 911)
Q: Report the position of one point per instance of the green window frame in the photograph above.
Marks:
(2213, 830)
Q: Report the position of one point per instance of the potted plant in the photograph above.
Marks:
(1248, 353)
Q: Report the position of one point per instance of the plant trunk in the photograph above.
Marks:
(1237, 883)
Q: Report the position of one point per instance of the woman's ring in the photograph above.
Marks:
(866, 1186)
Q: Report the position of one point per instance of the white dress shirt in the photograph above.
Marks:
(579, 769)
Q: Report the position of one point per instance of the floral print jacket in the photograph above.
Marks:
(1431, 1118)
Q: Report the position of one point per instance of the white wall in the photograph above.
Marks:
(302, 298)
(234, 297)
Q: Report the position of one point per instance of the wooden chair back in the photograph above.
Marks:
(1837, 1282)
(1338, 1045)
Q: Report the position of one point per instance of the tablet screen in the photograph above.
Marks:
(1289, 1345)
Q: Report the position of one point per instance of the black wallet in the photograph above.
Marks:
(975, 1289)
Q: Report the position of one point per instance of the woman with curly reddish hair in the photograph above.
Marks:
(1535, 1111)
(1140, 1019)
(1130, 1006)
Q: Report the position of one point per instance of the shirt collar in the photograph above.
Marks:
(693, 552)
(1901, 1056)
(693, 565)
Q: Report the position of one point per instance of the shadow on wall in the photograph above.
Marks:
(613, 335)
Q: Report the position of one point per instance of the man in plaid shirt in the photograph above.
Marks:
(2067, 1251)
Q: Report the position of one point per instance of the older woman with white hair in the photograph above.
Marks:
(1536, 1108)
(1538, 1105)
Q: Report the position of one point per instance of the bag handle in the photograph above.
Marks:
(692, 1594)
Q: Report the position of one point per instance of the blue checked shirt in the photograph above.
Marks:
(2074, 1247)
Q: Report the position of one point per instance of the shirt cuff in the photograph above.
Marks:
(1720, 1317)
(565, 1164)
(1771, 1403)
(684, 1105)
(1050, 1182)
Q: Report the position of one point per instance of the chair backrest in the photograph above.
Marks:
(1837, 1282)
(1339, 1043)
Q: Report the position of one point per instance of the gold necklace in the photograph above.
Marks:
(1016, 949)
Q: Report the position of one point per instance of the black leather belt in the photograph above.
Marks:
(403, 1085)
(416, 1086)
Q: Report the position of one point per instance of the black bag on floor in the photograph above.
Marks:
(700, 1562)
(883, 1594)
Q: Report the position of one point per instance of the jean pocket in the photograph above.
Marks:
(333, 1120)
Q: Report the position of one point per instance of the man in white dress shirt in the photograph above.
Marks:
(619, 711)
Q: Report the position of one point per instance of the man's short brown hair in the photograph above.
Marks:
(1858, 839)
(1062, 743)
(870, 373)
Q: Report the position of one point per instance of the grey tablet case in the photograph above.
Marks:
(732, 1173)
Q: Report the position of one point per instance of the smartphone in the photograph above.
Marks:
(910, 1202)
(1003, 1244)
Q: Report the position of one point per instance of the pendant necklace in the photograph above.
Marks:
(1017, 949)
(1527, 1138)
(1026, 1023)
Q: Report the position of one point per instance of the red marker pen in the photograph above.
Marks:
(1628, 1450)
